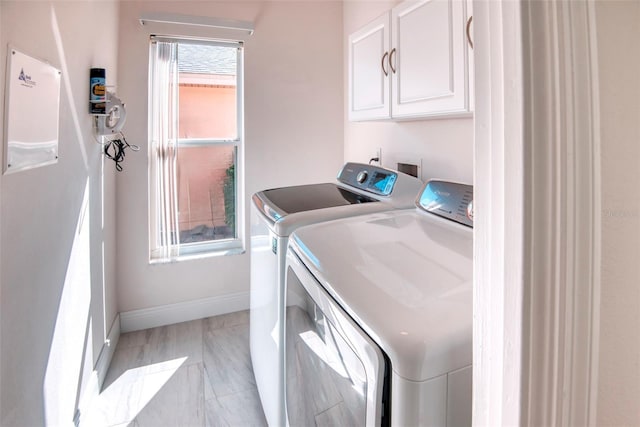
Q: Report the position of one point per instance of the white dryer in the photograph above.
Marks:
(360, 189)
(379, 316)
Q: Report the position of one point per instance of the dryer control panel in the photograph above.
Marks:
(373, 179)
(450, 200)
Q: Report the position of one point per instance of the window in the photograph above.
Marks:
(195, 131)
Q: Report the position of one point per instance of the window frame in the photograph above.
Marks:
(236, 245)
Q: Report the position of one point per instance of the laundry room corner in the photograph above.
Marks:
(293, 135)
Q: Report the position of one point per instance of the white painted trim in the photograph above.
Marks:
(184, 311)
(108, 350)
(186, 21)
(537, 206)
(562, 189)
(97, 376)
(596, 272)
(499, 217)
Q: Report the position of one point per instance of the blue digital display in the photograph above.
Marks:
(449, 200)
(429, 198)
(383, 182)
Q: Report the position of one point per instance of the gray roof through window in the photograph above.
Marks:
(205, 59)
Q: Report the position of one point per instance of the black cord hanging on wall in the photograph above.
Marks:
(115, 150)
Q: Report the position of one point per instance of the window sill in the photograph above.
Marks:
(197, 255)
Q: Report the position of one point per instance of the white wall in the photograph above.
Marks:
(619, 69)
(445, 146)
(40, 211)
(293, 126)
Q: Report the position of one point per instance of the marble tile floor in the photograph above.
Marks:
(191, 374)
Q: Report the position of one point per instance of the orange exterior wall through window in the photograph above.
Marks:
(205, 112)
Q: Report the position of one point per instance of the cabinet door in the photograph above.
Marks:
(429, 59)
(469, 35)
(368, 71)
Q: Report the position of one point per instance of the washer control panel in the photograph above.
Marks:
(373, 179)
(449, 200)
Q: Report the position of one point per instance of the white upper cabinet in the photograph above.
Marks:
(369, 71)
(471, 62)
(412, 62)
(428, 52)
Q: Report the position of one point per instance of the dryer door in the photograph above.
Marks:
(335, 373)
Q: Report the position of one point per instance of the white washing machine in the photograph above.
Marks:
(379, 316)
(360, 189)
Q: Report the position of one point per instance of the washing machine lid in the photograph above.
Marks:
(406, 277)
(357, 186)
(289, 200)
(288, 208)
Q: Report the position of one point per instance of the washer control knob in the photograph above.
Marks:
(362, 176)
(470, 210)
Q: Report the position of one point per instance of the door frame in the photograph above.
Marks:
(537, 214)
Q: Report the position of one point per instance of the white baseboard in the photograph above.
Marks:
(96, 378)
(108, 349)
(145, 318)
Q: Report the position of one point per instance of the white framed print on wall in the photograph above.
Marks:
(32, 112)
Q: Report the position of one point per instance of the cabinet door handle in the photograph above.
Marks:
(391, 60)
(384, 70)
(468, 31)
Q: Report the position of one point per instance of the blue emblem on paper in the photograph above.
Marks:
(26, 78)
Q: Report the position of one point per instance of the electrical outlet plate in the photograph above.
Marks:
(377, 155)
